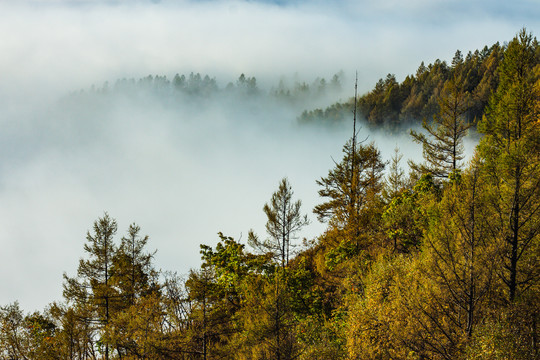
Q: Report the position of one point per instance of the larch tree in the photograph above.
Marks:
(350, 188)
(511, 154)
(92, 288)
(73, 338)
(135, 275)
(395, 179)
(134, 279)
(284, 222)
(204, 293)
(442, 144)
(14, 342)
(353, 204)
(456, 269)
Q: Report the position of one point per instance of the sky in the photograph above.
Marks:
(183, 173)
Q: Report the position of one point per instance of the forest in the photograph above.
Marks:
(437, 262)
(392, 104)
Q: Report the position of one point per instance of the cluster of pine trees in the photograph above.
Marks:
(417, 97)
(200, 87)
(440, 264)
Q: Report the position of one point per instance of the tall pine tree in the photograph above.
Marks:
(511, 153)
(92, 289)
(442, 145)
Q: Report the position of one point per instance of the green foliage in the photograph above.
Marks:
(230, 261)
(406, 216)
(333, 115)
(392, 104)
(345, 250)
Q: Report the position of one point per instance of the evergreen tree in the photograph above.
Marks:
(134, 274)
(395, 180)
(134, 280)
(511, 154)
(443, 145)
(350, 188)
(92, 289)
(284, 221)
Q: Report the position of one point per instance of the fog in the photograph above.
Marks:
(184, 169)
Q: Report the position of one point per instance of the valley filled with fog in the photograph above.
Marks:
(182, 166)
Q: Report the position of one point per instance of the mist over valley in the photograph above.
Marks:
(185, 164)
(182, 166)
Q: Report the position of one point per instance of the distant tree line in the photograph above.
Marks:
(196, 85)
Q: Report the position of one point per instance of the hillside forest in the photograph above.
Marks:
(437, 262)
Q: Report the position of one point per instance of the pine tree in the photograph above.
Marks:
(395, 180)
(92, 289)
(442, 146)
(134, 279)
(350, 187)
(135, 276)
(511, 154)
(284, 221)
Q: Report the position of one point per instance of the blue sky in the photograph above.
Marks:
(49, 198)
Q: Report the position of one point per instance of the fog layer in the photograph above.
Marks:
(182, 170)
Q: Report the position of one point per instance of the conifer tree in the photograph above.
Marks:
(92, 288)
(511, 154)
(350, 186)
(395, 180)
(134, 279)
(442, 146)
(458, 265)
(74, 336)
(267, 319)
(13, 340)
(353, 188)
(135, 276)
(284, 221)
(204, 293)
